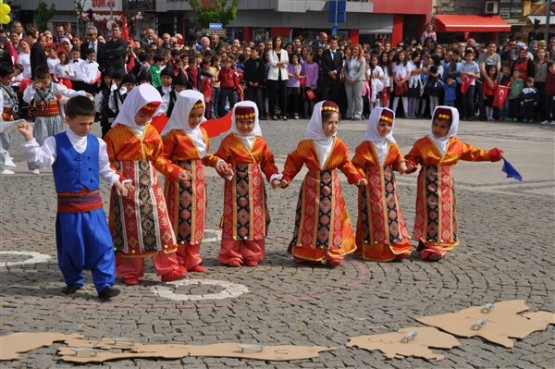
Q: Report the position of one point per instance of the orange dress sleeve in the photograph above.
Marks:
(265, 157)
(340, 159)
(296, 159)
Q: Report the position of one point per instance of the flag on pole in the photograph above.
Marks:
(125, 29)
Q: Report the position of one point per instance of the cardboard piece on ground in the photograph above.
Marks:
(493, 322)
(92, 354)
(411, 341)
(104, 343)
(14, 344)
(541, 316)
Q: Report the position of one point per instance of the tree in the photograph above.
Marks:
(44, 14)
(219, 11)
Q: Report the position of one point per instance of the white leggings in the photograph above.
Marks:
(405, 101)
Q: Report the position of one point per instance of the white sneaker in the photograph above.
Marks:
(552, 123)
(35, 171)
(7, 171)
(9, 162)
(546, 122)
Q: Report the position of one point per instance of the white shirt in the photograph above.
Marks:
(88, 72)
(75, 65)
(45, 155)
(52, 65)
(29, 92)
(25, 61)
(63, 71)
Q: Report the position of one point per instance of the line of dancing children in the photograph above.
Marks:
(167, 224)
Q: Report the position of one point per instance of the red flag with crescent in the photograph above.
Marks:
(501, 93)
(466, 82)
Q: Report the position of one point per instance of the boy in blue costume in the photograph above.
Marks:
(79, 159)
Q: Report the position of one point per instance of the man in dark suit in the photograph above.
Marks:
(38, 56)
(331, 65)
(93, 43)
(115, 51)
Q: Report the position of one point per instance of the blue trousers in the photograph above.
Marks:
(84, 242)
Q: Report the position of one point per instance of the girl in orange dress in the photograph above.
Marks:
(435, 226)
(381, 230)
(139, 222)
(323, 231)
(245, 218)
(187, 146)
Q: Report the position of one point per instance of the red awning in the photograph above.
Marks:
(471, 23)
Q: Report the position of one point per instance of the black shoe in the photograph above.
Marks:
(108, 292)
(71, 289)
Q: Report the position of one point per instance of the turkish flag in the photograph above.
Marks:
(215, 127)
(501, 93)
(466, 82)
(159, 122)
(125, 29)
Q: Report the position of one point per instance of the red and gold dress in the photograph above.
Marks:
(382, 233)
(323, 230)
(187, 202)
(139, 222)
(245, 216)
(435, 226)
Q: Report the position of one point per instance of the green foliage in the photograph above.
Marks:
(44, 14)
(219, 11)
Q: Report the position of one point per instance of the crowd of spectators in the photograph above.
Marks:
(285, 79)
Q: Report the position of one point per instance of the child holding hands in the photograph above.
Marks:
(435, 226)
(381, 230)
(187, 146)
(139, 222)
(78, 161)
(323, 231)
(245, 218)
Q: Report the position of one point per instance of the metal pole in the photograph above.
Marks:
(80, 9)
(547, 20)
(111, 10)
(336, 11)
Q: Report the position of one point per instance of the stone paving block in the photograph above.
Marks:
(499, 222)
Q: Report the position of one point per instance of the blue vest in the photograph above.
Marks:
(72, 170)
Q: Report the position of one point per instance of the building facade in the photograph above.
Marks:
(362, 20)
(366, 20)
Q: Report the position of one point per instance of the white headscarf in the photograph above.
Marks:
(315, 132)
(248, 140)
(441, 142)
(179, 119)
(138, 97)
(381, 143)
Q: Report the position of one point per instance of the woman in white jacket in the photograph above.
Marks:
(277, 78)
(355, 75)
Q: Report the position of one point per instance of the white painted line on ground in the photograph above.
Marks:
(217, 235)
(230, 290)
(36, 258)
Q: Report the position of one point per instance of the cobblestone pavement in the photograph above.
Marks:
(506, 252)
